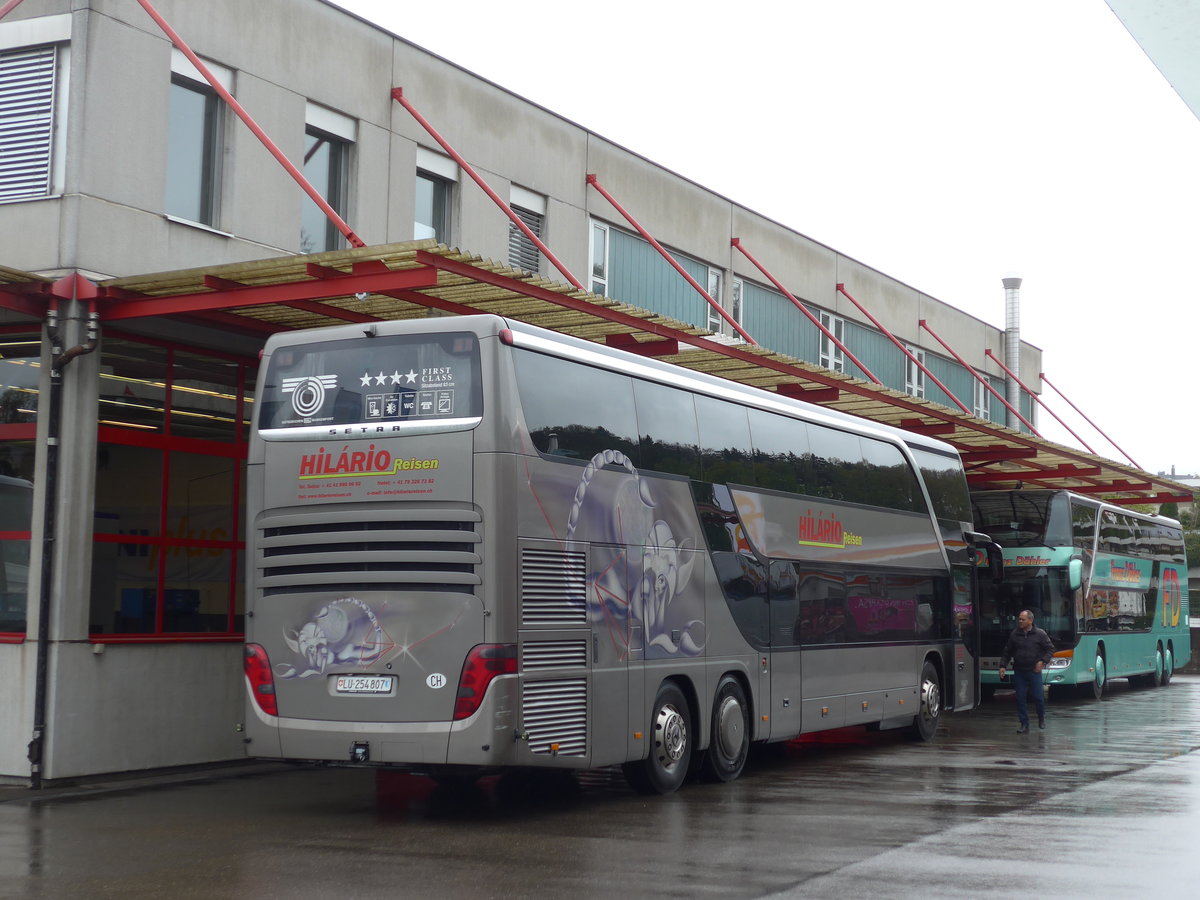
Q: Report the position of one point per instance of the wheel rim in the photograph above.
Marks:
(1158, 666)
(1099, 672)
(931, 700)
(670, 736)
(1169, 665)
(730, 728)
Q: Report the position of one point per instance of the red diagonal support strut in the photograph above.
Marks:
(595, 182)
(900, 346)
(737, 242)
(1025, 388)
(297, 175)
(982, 380)
(398, 96)
(9, 7)
(1042, 375)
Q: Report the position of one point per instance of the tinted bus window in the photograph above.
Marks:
(888, 479)
(780, 452)
(667, 429)
(1019, 519)
(946, 484)
(836, 464)
(381, 380)
(1083, 525)
(726, 454)
(573, 410)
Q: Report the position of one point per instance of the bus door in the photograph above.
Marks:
(965, 677)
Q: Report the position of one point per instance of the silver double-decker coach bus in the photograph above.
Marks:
(475, 544)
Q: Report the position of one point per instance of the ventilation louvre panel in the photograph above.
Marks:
(553, 587)
(555, 713)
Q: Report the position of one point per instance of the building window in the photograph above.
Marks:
(168, 554)
(435, 193)
(599, 259)
(530, 208)
(328, 137)
(914, 375)
(27, 88)
(714, 291)
(735, 299)
(195, 137)
(831, 354)
(983, 405)
(20, 368)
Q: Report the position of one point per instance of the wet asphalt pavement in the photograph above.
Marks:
(1104, 803)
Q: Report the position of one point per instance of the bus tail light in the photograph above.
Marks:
(257, 667)
(484, 662)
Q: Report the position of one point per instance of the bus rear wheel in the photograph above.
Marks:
(666, 766)
(1168, 667)
(730, 741)
(925, 722)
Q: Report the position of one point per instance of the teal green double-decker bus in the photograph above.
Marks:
(1108, 585)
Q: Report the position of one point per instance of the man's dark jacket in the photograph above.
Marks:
(1025, 648)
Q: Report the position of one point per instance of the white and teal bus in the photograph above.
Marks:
(474, 544)
(1108, 585)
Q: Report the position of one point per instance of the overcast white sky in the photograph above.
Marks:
(947, 143)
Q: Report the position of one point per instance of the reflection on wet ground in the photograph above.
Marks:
(847, 813)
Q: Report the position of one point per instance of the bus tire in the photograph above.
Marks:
(1168, 667)
(729, 742)
(1158, 677)
(987, 692)
(1095, 688)
(929, 711)
(666, 765)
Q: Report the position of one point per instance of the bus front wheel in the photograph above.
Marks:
(730, 740)
(666, 766)
(925, 722)
(1095, 687)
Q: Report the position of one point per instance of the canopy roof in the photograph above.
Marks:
(405, 281)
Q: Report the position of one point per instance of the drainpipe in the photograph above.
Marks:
(59, 358)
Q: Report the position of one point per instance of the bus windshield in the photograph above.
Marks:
(1043, 590)
(1023, 518)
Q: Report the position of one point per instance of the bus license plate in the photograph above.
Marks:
(363, 684)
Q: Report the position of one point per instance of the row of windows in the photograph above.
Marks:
(195, 149)
(792, 604)
(663, 429)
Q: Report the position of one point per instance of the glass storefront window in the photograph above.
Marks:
(20, 369)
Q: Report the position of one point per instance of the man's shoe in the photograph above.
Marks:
(1041, 723)
(1022, 729)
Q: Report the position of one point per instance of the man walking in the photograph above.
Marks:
(1029, 650)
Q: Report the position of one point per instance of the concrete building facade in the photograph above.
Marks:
(121, 159)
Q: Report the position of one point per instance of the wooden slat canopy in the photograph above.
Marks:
(405, 281)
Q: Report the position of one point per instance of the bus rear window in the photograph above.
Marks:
(372, 381)
(1020, 519)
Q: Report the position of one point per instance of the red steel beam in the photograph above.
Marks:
(671, 261)
(900, 346)
(996, 454)
(982, 379)
(1067, 471)
(808, 395)
(297, 175)
(376, 283)
(1042, 375)
(1114, 486)
(630, 344)
(1038, 400)
(398, 96)
(737, 243)
(27, 303)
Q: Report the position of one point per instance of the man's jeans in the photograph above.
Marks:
(1025, 681)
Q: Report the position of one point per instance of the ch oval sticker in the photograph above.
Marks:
(436, 680)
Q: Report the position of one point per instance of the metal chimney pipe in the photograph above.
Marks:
(1012, 346)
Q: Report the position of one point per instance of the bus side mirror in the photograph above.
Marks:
(994, 552)
(1075, 574)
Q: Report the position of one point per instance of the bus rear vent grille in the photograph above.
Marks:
(553, 587)
(421, 549)
(555, 716)
(553, 655)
